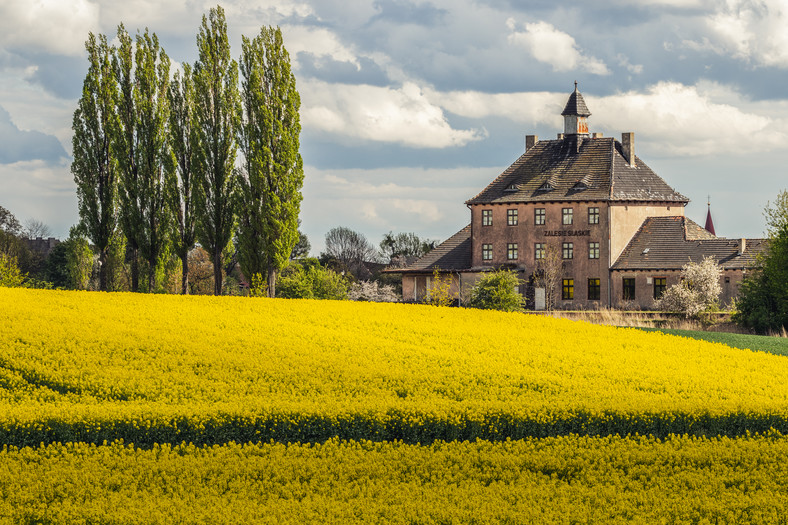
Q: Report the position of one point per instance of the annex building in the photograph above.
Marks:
(588, 205)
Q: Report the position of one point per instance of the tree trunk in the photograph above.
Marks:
(151, 276)
(103, 270)
(217, 272)
(135, 269)
(271, 281)
(185, 274)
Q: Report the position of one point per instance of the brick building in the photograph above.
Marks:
(618, 227)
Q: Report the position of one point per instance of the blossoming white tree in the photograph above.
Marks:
(698, 291)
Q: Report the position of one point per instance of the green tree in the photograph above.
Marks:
(152, 74)
(496, 291)
(763, 298)
(55, 269)
(125, 148)
(79, 260)
(217, 116)
(269, 197)
(183, 187)
(142, 149)
(94, 167)
(302, 246)
(404, 244)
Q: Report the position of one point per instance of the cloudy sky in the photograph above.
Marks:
(411, 107)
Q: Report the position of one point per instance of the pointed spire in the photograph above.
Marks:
(709, 223)
(576, 106)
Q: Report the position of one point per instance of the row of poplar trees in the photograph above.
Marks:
(156, 157)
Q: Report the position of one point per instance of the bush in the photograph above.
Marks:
(309, 280)
(10, 274)
(497, 291)
(440, 293)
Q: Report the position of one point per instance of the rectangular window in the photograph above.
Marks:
(511, 217)
(568, 289)
(486, 217)
(593, 215)
(593, 289)
(567, 216)
(487, 252)
(568, 250)
(660, 284)
(593, 250)
(539, 250)
(511, 251)
(539, 216)
(629, 288)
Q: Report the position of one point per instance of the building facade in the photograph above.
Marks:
(579, 207)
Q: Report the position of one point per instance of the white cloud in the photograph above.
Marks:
(750, 30)
(318, 41)
(403, 115)
(552, 46)
(675, 120)
(534, 108)
(53, 26)
(672, 118)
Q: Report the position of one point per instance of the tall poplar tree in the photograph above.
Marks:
(152, 75)
(94, 167)
(141, 147)
(269, 197)
(182, 192)
(125, 143)
(217, 112)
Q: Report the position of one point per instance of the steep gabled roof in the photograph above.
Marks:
(557, 170)
(667, 243)
(452, 254)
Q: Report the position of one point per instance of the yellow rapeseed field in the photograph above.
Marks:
(127, 408)
(566, 479)
(81, 366)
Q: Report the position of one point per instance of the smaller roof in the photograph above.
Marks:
(668, 243)
(452, 254)
(576, 105)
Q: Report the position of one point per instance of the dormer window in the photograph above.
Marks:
(546, 186)
(511, 187)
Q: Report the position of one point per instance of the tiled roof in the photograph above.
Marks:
(452, 254)
(671, 242)
(576, 105)
(597, 170)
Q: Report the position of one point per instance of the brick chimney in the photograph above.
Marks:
(742, 245)
(530, 141)
(628, 147)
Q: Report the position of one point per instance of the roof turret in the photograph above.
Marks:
(576, 105)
